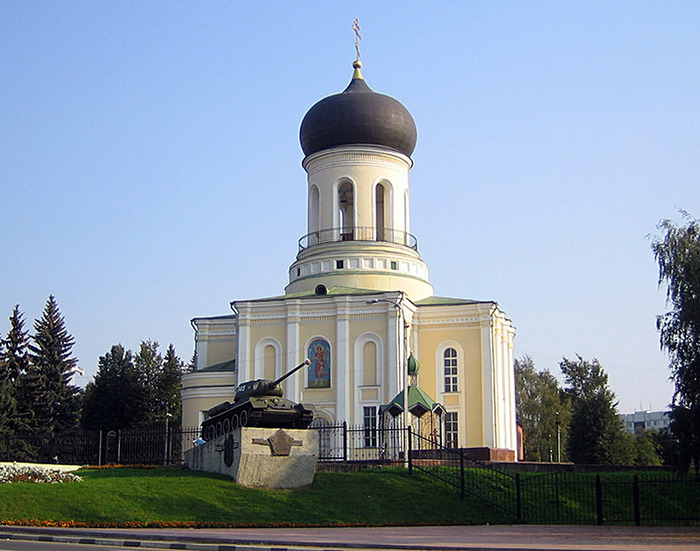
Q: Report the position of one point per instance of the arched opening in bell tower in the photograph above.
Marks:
(346, 211)
(380, 203)
(314, 215)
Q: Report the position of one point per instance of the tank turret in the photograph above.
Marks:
(258, 403)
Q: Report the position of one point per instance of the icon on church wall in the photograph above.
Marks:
(320, 367)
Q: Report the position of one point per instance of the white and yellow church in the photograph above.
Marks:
(359, 303)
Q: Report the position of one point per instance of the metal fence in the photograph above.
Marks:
(566, 497)
(609, 498)
(358, 444)
(469, 477)
(149, 446)
(80, 447)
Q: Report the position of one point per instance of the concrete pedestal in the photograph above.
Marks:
(260, 457)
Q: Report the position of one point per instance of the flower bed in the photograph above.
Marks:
(12, 474)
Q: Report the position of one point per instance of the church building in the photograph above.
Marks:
(359, 303)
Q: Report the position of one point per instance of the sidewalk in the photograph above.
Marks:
(506, 537)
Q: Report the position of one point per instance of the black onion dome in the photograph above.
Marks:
(358, 115)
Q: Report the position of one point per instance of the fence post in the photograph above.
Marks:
(345, 441)
(408, 451)
(461, 474)
(518, 499)
(99, 451)
(599, 499)
(635, 498)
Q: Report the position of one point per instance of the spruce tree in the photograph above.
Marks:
(149, 365)
(7, 398)
(14, 364)
(50, 354)
(115, 399)
(171, 386)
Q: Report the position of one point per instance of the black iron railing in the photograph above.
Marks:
(564, 496)
(358, 233)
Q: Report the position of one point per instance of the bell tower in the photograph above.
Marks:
(358, 147)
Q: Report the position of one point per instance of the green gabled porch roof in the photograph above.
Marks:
(419, 403)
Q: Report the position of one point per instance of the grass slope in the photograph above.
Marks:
(120, 496)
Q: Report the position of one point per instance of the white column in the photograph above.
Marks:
(293, 356)
(393, 381)
(244, 362)
(487, 351)
(510, 373)
(342, 362)
(201, 347)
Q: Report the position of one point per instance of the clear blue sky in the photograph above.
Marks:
(150, 163)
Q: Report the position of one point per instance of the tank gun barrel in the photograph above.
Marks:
(292, 372)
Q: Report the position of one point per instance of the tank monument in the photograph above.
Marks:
(260, 439)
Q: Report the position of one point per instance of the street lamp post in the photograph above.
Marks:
(401, 355)
(167, 438)
(558, 438)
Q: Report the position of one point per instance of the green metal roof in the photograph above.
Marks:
(419, 403)
(447, 301)
(332, 291)
(229, 365)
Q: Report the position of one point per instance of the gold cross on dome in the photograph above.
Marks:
(358, 37)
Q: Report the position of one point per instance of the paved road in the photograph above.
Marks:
(447, 538)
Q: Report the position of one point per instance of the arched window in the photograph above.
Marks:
(346, 211)
(379, 205)
(270, 362)
(369, 364)
(406, 213)
(267, 359)
(449, 359)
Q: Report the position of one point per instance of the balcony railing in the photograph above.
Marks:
(358, 233)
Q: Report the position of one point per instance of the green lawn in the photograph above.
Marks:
(371, 497)
(120, 496)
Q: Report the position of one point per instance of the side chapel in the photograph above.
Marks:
(359, 303)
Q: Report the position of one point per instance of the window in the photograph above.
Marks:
(450, 364)
(394, 265)
(339, 264)
(370, 424)
(451, 429)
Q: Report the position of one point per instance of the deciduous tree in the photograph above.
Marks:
(596, 434)
(541, 411)
(677, 252)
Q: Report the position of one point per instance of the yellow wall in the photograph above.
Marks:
(468, 402)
